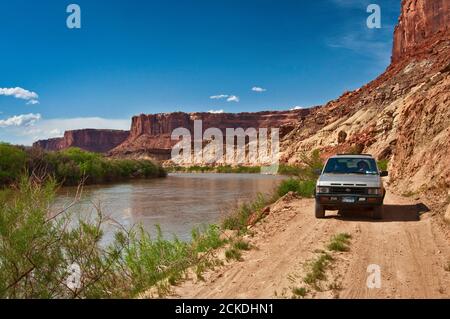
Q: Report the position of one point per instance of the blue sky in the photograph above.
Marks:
(137, 56)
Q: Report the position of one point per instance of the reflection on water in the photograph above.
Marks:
(177, 203)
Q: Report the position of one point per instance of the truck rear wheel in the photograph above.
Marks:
(377, 212)
(320, 211)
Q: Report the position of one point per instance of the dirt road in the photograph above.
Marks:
(412, 255)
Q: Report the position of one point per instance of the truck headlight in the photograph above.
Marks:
(323, 190)
(374, 191)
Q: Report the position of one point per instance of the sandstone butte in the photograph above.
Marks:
(403, 115)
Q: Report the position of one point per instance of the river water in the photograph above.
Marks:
(177, 203)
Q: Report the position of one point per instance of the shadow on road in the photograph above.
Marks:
(392, 213)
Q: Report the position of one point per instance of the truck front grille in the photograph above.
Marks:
(349, 190)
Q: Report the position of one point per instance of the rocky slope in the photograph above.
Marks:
(403, 115)
(92, 140)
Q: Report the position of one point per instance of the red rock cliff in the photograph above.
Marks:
(151, 133)
(92, 140)
(421, 23)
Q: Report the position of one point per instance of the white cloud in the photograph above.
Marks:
(55, 132)
(20, 93)
(218, 97)
(233, 98)
(48, 128)
(33, 102)
(21, 120)
(297, 108)
(216, 111)
(258, 89)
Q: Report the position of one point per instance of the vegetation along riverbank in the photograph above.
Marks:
(69, 167)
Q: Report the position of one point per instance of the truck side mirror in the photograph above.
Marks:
(317, 172)
(384, 173)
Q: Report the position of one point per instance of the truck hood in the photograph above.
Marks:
(349, 180)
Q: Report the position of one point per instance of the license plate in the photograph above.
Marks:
(348, 199)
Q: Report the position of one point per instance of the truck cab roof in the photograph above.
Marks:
(352, 156)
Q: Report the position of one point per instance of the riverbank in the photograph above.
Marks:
(71, 166)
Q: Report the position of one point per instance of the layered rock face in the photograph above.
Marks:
(403, 115)
(421, 24)
(150, 134)
(100, 141)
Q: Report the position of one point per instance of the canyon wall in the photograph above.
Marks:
(150, 134)
(421, 24)
(93, 140)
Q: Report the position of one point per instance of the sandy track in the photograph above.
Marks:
(412, 255)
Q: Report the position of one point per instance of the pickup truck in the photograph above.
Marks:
(350, 181)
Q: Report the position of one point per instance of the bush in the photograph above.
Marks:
(303, 188)
(12, 163)
(38, 249)
(383, 164)
(239, 219)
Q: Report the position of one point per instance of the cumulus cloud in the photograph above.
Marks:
(20, 120)
(20, 93)
(258, 89)
(233, 98)
(218, 97)
(216, 111)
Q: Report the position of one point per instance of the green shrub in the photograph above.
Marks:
(12, 163)
(317, 269)
(340, 242)
(71, 166)
(241, 244)
(37, 249)
(303, 188)
(233, 253)
(238, 220)
(383, 164)
(206, 239)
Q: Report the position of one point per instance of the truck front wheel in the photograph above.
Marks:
(320, 211)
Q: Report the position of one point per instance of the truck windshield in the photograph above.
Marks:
(351, 166)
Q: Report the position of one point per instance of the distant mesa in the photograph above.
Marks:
(93, 140)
